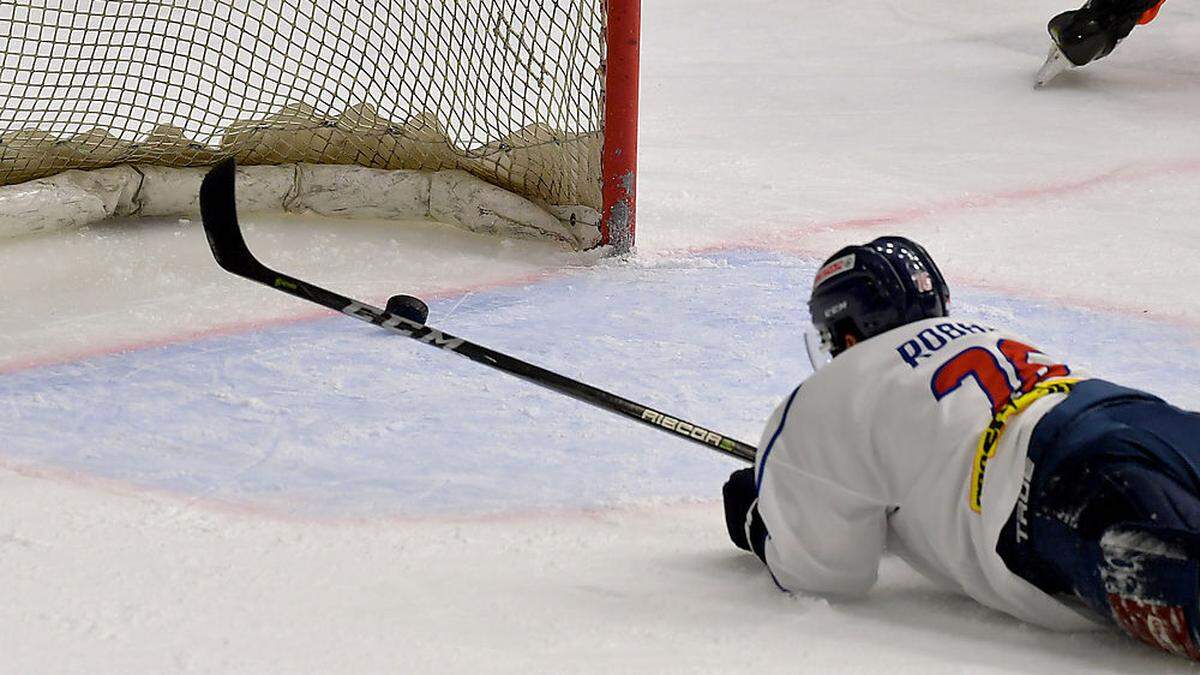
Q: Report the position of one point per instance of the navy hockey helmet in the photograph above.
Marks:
(862, 291)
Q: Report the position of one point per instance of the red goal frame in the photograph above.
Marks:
(619, 155)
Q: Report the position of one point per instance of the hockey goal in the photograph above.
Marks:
(510, 116)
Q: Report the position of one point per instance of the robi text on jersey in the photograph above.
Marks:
(926, 343)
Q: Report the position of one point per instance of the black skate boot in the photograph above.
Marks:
(1091, 32)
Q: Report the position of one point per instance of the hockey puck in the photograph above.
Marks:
(413, 309)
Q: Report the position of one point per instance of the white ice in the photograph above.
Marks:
(198, 474)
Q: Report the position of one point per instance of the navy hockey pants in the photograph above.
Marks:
(1110, 512)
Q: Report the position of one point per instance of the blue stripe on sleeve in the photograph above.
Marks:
(766, 453)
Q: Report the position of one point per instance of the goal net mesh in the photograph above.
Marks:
(509, 90)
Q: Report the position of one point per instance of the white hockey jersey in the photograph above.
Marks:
(884, 449)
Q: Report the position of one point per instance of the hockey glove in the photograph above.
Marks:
(746, 527)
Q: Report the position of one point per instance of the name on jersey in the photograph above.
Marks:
(930, 340)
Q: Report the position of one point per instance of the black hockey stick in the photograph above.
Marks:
(219, 210)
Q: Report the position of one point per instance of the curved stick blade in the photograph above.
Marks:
(218, 209)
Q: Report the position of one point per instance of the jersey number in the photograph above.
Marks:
(1031, 366)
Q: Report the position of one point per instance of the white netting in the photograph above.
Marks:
(509, 90)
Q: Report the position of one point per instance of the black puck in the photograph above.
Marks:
(413, 309)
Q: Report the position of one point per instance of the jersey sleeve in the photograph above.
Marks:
(822, 536)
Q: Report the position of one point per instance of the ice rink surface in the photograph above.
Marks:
(202, 475)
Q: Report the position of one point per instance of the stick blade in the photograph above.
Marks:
(218, 210)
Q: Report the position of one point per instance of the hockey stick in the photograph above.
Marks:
(219, 211)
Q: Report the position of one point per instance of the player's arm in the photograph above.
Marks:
(814, 533)
(823, 538)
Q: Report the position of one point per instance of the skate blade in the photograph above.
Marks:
(1056, 64)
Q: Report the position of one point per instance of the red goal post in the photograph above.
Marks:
(516, 117)
(621, 123)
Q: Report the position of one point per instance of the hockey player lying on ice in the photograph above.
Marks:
(992, 468)
(1091, 32)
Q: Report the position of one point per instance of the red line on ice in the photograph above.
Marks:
(1124, 174)
(239, 327)
(786, 242)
